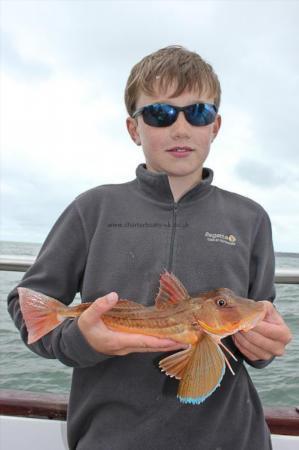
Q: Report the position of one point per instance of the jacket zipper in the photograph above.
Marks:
(174, 214)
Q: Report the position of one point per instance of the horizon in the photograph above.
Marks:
(280, 253)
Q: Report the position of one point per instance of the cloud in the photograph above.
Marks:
(259, 173)
(65, 65)
(60, 124)
(20, 67)
(65, 144)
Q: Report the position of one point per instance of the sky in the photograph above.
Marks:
(64, 66)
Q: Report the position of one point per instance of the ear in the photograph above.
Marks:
(132, 129)
(216, 126)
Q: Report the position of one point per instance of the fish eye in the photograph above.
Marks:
(221, 302)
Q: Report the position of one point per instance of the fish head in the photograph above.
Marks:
(221, 312)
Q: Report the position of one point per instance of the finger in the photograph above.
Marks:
(272, 331)
(271, 313)
(100, 306)
(134, 340)
(244, 351)
(260, 344)
(248, 354)
(250, 348)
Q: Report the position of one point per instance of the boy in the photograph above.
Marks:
(121, 237)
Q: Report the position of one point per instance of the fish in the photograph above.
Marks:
(200, 321)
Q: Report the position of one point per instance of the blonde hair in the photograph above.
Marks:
(172, 65)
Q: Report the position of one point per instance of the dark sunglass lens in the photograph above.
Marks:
(159, 115)
(200, 114)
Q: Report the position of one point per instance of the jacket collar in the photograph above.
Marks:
(156, 185)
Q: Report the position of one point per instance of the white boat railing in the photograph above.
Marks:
(287, 276)
(21, 264)
(15, 263)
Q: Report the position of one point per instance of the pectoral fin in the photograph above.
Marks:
(175, 365)
(203, 373)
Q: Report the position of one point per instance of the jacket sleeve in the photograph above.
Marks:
(58, 272)
(262, 269)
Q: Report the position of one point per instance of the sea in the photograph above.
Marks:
(277, 384)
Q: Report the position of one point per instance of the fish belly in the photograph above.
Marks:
(163, 328)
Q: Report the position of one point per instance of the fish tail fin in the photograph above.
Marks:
(203, 373)
(41, 313)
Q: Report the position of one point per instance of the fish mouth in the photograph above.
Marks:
(230, 329)
(251, 323)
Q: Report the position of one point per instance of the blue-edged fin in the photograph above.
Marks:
(199, 368)
(203, 373)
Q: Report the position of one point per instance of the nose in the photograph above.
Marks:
(180, 128)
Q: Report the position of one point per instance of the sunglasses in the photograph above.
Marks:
(163, 115)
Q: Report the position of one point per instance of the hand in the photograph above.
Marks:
(269, 338)
(109, 342)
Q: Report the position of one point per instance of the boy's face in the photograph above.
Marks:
(161, 145)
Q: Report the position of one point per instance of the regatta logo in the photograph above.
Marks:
(228, 239)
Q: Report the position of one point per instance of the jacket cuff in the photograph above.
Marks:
(260, 363)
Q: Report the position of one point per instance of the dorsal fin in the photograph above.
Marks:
(171, 291)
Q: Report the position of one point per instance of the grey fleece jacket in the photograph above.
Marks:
(120, 238)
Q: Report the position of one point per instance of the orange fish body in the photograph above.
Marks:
(199, 321)
(173, 323)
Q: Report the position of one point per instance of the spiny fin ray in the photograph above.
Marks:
(171, 291)
(175, 365)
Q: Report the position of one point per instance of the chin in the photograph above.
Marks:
(180, 170)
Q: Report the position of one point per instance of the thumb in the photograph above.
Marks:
(271, 314)
(100, 306)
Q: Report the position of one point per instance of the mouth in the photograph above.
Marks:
(180, 151)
